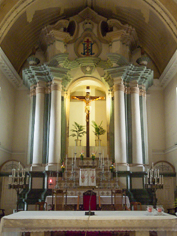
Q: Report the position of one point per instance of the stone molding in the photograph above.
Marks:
(169, 71)
(9, 71)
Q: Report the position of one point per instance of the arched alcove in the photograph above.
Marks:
(99, 112)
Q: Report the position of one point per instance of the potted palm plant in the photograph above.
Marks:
(78, 131)
(98, 130)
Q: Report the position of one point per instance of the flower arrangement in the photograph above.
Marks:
(112, 168)
(93, 155)
(63, 167)
(82, 155)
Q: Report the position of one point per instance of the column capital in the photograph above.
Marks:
(32, 90)
(142, 92)
(134, 90)
(41, 85)
(56, 86)
(118, 87)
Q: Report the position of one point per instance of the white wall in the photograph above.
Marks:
(7, 105)
(156, 124)
(21, 125)
(170, 102)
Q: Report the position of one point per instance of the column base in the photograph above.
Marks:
(36, 167)
(136, 167)
(53, 167)
(121, 166)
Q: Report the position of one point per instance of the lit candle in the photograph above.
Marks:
(13, 173)
(27, 179)
(128, 167)
(162, 179)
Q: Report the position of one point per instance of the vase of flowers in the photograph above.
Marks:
(112, 169)
(93, 156)
(62, 169)
(82, 157)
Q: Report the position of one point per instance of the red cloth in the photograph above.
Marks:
(89, 199)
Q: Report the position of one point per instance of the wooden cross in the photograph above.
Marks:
(87, 99)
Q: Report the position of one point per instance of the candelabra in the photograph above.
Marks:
(18, 181)
(73, 171)
(154, 181)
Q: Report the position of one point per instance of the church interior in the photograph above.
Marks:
(88, 104)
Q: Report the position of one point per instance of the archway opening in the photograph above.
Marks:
(78, 114)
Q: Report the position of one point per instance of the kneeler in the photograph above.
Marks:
(89, 199)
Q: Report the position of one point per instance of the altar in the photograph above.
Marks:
(137, 222)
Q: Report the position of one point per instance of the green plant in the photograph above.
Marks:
(78, 131)
(98, 129)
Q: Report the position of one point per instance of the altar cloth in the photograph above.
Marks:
(43, 221)
(72, 200)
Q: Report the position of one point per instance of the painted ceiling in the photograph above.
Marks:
(155, 21)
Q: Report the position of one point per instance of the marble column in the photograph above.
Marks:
(39, 124)
(31, 122)
(119, 123)
(136, 126)
(143, 111)
(55, 124)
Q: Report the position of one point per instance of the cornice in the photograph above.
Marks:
(169, 72)
(9, 71)
(129, 73)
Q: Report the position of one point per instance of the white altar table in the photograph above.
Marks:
(72, 200)
(139, 222)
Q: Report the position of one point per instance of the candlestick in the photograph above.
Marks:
(66, 162)
(108, 162)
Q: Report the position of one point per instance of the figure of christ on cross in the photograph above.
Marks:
(87, 99)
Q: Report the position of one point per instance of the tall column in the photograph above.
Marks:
(31, 123)
(136, 126)
(143, 112)
(55, 124)
(119, 123)
(39, 124)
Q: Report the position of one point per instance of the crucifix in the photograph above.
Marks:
(87, 99)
